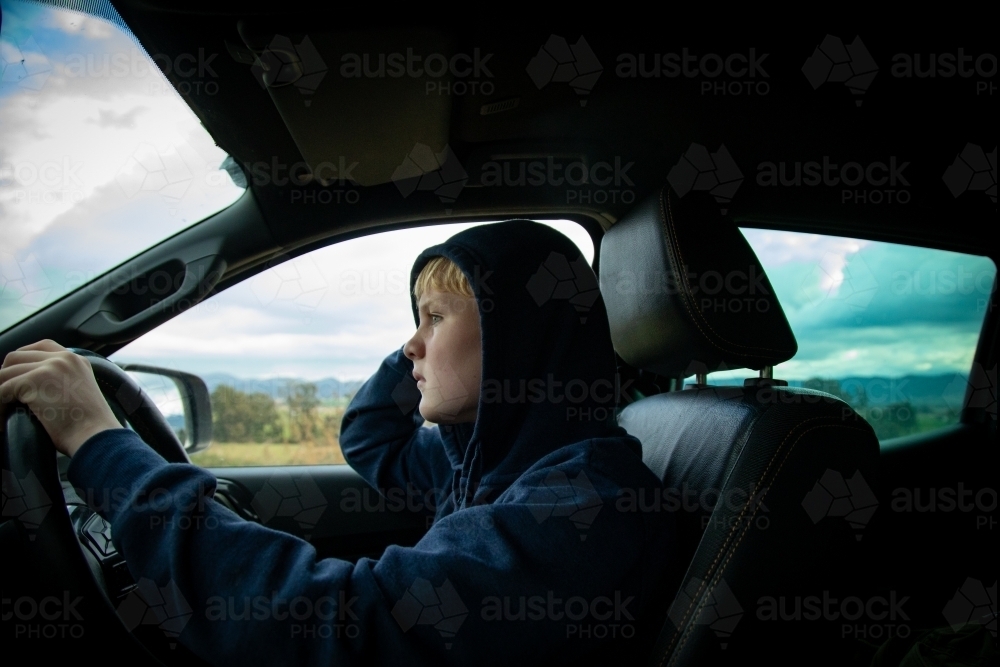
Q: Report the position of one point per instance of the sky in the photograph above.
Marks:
(863, 308)
(100, 158)
(335, 312)
(857, 308)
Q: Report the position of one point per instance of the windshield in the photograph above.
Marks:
(100, 158)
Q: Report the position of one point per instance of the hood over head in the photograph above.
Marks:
(549, 375)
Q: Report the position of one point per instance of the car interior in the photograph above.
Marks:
(820, 512)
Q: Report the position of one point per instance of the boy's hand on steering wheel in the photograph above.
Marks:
(59, 387)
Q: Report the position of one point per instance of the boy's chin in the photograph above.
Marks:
(446, 414)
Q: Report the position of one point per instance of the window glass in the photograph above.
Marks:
(890, 328)
(100, 158)
(283, 352)
(167, 397)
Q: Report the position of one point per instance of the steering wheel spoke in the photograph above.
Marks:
(108, 566)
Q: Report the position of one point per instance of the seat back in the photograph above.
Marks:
(771, 486)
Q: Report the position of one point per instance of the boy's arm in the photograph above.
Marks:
(236, 591)
(241, 593)
(382, 436)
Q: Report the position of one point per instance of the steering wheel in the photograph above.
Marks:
(70, 543)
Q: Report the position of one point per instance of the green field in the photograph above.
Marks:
(232, 454)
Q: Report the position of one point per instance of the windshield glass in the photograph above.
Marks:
(100, 158)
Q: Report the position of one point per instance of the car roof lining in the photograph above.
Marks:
(648, 126)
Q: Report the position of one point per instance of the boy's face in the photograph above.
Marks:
(447, 357)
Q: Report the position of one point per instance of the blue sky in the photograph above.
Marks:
(99, 157)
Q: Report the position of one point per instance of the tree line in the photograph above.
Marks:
(256, 417)
(239, 416)
(889, 419)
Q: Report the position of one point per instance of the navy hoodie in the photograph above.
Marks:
(532, 557)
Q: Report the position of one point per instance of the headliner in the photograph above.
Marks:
(649, 122)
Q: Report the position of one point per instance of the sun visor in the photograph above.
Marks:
(365, 106)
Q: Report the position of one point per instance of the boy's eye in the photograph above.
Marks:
(435, 318)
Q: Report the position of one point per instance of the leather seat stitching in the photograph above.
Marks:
(670, 232)
(738, 521)
(717, 575)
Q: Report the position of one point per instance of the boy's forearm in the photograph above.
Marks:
(174, 536)
(382, 435)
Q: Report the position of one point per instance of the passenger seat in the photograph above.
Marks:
(772, 486)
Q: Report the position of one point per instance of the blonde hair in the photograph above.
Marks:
(443, 275)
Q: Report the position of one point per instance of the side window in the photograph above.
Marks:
(284, 352)
(891, 329)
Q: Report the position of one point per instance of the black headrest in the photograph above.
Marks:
(685, 293)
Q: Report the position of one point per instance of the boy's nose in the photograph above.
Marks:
(414, 348)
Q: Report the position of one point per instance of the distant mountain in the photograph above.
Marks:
(277, 387)
(914, 389)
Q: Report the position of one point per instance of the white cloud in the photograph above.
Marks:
(102, 158)
(50, 173)
(264, 327)
(830, 253)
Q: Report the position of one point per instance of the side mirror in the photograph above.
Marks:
(182, 398)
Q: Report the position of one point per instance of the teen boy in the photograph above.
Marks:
(527, 559)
